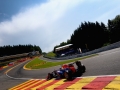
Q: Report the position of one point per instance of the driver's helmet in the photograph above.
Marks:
(78, 63)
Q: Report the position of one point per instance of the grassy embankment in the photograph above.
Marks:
(38, 63)
(50, 54)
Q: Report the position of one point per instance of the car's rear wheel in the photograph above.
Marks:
(66, 75)
(49, 76)
(83, 69)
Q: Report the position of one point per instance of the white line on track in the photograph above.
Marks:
(14, 77)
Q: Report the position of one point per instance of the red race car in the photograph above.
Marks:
(68, 71)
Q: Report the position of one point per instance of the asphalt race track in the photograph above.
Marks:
(106, 63)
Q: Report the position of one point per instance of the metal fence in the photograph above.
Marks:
(16, 56)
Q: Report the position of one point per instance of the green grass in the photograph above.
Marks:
(106, 44)
(37, 63)
(50, 54)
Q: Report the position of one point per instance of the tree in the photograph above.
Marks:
(63, 43)
(18, 49)
(68, 41)
(114, 28)
(89, 35)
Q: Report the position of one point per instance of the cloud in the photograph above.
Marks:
(37, 16)
(52, 22)
(36, 25)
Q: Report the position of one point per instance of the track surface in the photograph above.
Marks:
(106, 63)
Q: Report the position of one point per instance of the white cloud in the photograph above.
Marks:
(39, 20)
(37, 16)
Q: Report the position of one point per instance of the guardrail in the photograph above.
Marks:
(17, 55)
(13, 56)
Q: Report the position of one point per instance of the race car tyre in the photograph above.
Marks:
(50, 76)
(68, 75)
(83, 68)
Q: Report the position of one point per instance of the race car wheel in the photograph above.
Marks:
(83, 69)
(66, 75)
(49, 76)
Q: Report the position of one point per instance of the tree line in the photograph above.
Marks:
(93, 35)
(18, 49)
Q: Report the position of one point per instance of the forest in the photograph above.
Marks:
(93, 35)
(18, 49)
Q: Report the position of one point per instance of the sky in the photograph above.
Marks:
(47, 23)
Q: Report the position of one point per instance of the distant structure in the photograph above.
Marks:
(65, 50)
(33, 53)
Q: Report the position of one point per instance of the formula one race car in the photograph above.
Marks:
(68, 71)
